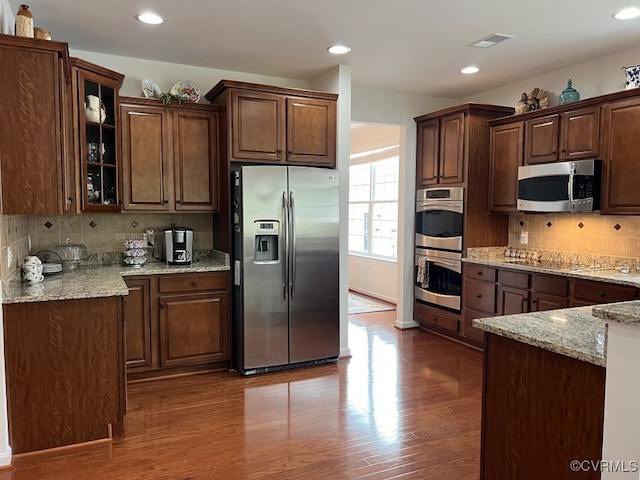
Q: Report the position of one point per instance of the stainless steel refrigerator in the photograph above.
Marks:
(285, 267)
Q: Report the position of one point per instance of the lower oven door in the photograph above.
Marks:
(438, 278)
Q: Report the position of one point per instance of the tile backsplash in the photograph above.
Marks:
(100, 232)
(588, 234)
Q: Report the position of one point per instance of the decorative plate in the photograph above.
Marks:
(150, 89)
(186, 91)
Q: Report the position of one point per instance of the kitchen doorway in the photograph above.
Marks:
(374, 199)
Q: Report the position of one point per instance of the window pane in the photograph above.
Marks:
(360, 183)
(358, 227)
(384, 238)
(385, 179)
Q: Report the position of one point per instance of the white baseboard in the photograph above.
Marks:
(5, 457)
(377, 295)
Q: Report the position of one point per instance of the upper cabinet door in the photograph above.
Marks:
(311, 131)
(541, 141)
(428, 153)
(195, 159)
(258, 126)
(452, 133)
(580, 134)
(505, 157)
(621, 168)
(145, 146)
(31, 138)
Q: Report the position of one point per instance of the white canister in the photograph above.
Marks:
(632, 77)
(32, 270)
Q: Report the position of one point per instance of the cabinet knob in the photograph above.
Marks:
(601, 294)
(164, 202)
(162, 305)
(70, 199)
(534, 301)
(194, 284)
(479, 273)
(179, 202)
(479, 295)
(525, 299)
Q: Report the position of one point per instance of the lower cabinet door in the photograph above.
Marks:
(137, 316)
(193, 328)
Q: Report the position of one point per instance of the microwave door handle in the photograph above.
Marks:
(572, 173)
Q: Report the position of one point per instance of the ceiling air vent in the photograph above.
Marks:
(491, 40)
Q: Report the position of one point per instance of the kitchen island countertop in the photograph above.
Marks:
(573, 332)
(99, 281)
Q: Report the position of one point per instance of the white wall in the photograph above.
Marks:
(374, 277)
(165, 75)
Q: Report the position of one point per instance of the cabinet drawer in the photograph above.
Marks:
(555, 285)
(513, 279)
(479, 272)
(192, 282)
(428, 316)
(479, 296)
(598, 292)
(468, 330)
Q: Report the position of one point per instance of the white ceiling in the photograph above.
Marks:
(413, 46)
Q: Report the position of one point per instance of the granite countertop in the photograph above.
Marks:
(97, 281)
(609, 275)
(573, 332)
(621, 312)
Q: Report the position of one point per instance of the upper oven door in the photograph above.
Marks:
(439, 224)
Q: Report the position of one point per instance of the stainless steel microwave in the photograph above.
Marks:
(560, 187)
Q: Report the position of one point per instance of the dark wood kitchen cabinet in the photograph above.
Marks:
(448, 139)
(96, 142)
(479, 289)
(506, 154)
(64, 371)
(138, 325)
(178, 324)
(35, 128)
(570, 135)
(621, 169)
(588, 292)
(170, 156)
(278, 125)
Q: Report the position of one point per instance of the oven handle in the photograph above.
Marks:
(455, 207)
(454, 265)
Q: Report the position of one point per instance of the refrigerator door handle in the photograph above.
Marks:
(292, 215)
(285, 264)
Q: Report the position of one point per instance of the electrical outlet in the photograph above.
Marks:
(524, 238)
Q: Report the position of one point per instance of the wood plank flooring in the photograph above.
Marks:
(405, 406)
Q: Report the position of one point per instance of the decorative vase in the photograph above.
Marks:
(569, 94)
(94, 110)
(24, 22)
(632, 77)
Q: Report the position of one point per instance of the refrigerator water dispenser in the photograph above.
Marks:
(265, 233)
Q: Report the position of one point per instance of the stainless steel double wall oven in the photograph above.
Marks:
(438, 246)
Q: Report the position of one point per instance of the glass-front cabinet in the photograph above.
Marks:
(96, 109)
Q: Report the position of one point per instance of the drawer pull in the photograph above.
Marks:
(479, 295)
(194, 284)
(601, 294)
(479, 273)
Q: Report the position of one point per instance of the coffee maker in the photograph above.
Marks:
(178, 245)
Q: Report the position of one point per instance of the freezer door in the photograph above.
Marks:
(314, 326)
(265, 332)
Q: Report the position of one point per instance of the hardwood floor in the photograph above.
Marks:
(405, 406)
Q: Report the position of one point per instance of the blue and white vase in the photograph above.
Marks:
(633, 77)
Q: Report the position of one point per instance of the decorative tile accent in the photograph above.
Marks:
(48, 224)
(134, 224)
(93, 224)
(521, 223)
(580, 225)
(617, 226)
(549, 224)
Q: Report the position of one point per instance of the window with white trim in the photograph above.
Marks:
(373, 203)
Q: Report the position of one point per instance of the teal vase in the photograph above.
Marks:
(569, 94)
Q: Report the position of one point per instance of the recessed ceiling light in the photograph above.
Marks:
(338, 49)
(151, 18)
(469, 70)
(627, 13)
